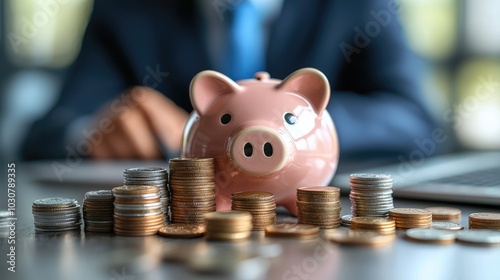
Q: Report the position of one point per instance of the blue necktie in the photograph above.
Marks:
(246, 43)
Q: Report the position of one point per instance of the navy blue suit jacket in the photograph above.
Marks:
(377, 101)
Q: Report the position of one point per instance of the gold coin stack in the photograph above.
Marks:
(98, 211)
(137, 210)
(484, 220)
(378, 224)
(448, 214)
(407, 218)
(192, 186)
(260, 204)
(228, 225)
(319, 206)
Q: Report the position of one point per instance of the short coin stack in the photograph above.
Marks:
(448, 214)
(378, 224)
(407, 218)
(228, 225)
(56, 214)
(484, 221)
(98, 211)
(192, 184)
(260, 204)
(150, 176)
(346, 221)
(371, 195)
(319, 206)
(137, 211)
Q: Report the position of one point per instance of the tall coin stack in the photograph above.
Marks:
(138, 210)
(150, 176)
(98, 211)
(56, 214)
(260, 204)
(407, 218)
(319, 206)
(371, 195)
(228, 225)
(192, 185)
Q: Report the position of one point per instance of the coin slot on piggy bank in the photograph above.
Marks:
(264, 134)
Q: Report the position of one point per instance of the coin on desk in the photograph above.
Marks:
(182, 230)
(447, 226)
(480, 237)
(360, 238)
(292, 230)
(430, 235)
(484, 220)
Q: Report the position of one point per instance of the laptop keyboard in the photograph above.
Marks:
(483, 178)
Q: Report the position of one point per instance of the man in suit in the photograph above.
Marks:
(128, 89)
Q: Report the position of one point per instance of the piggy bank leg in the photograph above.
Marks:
(222, 203)
(291, 205)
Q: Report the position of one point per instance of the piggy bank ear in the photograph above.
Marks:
(206, 86)
(311, 84)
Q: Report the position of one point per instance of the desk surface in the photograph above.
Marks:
(80, 255)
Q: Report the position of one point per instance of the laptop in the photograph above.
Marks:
(466, 178)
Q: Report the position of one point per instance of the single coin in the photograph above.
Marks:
(404, 212)
(485, 217)
(55, 202)
(182, 230)
(440, 212)
(135, 190)
(430, 235)
(252, 195)
(291, 230)
(480, 237)
(369, 176)
(99, 195)
(446, 226)
(359, 238)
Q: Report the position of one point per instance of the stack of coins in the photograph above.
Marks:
(319, 206)
(192, 184)
(346, 220)
(378, 224)
(407, 218)
(137, 211)
(292, 230)
(98, 211)
(484, 221)
(448, 214)
(228, 225)
(150, 176)
(56, 214)
(260, 204)
(371, 195)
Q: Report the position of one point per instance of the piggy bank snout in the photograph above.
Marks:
(258, 150)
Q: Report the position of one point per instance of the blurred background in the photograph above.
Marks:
(459, 38)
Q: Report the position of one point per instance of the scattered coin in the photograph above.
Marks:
(136, 216)
(182, 230)
(260, 204)
(407, 218)
(440, 213)
(430, 235)
(56, 214)
(292, 230)
(446, 226)
(360, 238)
(228, 225)
(150, 176)
(480, 237)
(98, 211)
(319, 206)
(371, 194)
(484, 220)
(192, 186)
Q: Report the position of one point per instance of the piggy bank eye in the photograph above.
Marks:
(225, 119)
(290, 118)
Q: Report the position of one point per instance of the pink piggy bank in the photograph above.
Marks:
(264, 134)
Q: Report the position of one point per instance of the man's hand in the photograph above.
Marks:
(141, 122)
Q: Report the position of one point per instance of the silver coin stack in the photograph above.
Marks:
(98, 211)
(5, 219)
(56, 214)
(371, 195)
(151, 176)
